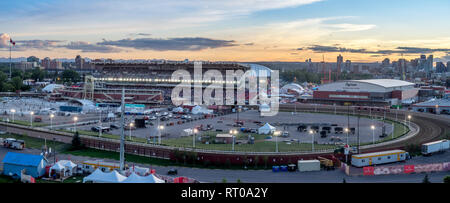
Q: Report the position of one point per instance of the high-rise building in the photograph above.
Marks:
(33, 59)
(440, 67)
(386, 62)
(79, 62)
(348, 65)
(402, 68)
(56, 65)
(429, 65)
(340, 62)
(46, 63)
(448, 66)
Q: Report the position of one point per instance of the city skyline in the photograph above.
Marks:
(361, 31)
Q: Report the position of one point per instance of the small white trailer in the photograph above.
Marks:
(308, 165)
(435, 147)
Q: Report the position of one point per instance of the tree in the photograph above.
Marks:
(447, 179)
(17, 83)
(76, 142)
(426, 179)
(224, 180)
(70, 76)
(37, 74)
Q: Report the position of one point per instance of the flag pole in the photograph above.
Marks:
(10, 69)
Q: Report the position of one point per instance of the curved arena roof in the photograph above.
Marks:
(386, 83)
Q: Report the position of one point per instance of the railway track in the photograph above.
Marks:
(432, 127)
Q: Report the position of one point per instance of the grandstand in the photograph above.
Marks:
(146, 82)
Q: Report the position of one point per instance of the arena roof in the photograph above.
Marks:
(434, 102)
(386, 83)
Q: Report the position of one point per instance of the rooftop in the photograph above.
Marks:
(434, 102)
(387, 83)
(22, 159)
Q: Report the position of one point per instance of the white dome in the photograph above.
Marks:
(293, 87)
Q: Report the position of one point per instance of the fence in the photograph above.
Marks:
(392, 170)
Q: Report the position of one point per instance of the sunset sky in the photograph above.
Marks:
(227, 30)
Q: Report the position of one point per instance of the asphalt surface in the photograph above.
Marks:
(267, 176)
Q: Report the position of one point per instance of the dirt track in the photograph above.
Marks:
(432, 127)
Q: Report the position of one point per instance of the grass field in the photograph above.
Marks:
(27, 123)
(37, 143)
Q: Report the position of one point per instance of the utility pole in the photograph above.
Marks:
(122, 132)
(359, 141)
(10, 60)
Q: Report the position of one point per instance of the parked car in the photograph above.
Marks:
(172, 171)
(114, 126)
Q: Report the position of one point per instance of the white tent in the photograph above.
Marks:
(266, 129)
(264, 108)
(200, 110)
(58, 167)
(135, 178)
(100, 177)
(178, 110)
(69, 165)
(52, 87)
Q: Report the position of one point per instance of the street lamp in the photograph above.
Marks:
(51, 121)
(31, 119)
(193, 137)
(373, 133)
(346, 130)
(75, 119)
(131, 126)
(13, 111)
(276, 134)
(409, 121)
(161, 127)
(311, 132)
(437, 109)
(233, 133)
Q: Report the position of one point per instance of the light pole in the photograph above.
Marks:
(51, 121)
(347, 131)
(437, 109)
(409, 121)
(276, 134)
(13, 111)
(101, 125)
(75, 119)
(31, 118)
(373, 133)
(193, 137)
(311, 132)
(131, 126)
(161, 127)
(233, 133)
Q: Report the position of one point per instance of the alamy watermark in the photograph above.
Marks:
(230, 90)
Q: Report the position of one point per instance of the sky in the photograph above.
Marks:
(227, 30)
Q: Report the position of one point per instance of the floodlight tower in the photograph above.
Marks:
(122, 132)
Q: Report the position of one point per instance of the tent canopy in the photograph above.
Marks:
(100, 177)
(58, 167)
(135, 178)
(200, 110)
(266, 129)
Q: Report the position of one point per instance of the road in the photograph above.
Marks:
(267, 176)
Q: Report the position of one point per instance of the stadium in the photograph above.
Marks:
(380, 92)
(144, 83)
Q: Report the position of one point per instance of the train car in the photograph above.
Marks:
(435, 147)
(377, 158)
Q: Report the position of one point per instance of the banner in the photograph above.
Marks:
(368, 171)
(409, 169)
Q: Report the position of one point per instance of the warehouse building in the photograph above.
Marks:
(14, 163)
(381, 92)
(436, 106)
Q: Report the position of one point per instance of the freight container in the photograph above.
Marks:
(308, 165)
(435, 147)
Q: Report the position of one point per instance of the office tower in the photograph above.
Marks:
(440, 67)
(386, 62)
(46, 63)
(79, 62)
